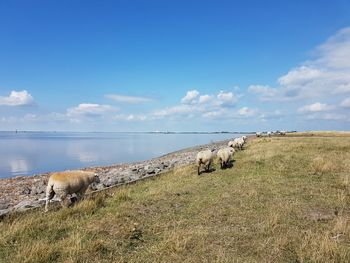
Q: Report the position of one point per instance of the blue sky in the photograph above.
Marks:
(174, 65)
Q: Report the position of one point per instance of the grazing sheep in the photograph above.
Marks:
(244, 138)
(232, 144)
(269, 134)
(282, 132)
(236, 143)
(240, 142)
(204, 157)
(67, 183)
(224, 155)
(258, 134)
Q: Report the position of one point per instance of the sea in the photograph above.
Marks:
(30, 153)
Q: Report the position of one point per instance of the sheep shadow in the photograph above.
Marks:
(229, 165)
(210, 170)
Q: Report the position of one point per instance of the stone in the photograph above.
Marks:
(98, 187)
(150, 170)
(26, 191)
(4, 212)
(27, 204)
(4, 204)
(111, 181)
(38, 188)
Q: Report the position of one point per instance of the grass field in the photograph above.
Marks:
(286, 199)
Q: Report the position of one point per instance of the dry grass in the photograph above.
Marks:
(286, 199)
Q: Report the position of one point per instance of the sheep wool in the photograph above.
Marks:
(224, 155)
(67, 183)
(204, 158)
(236, 143)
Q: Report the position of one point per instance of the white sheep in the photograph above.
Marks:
(258, 134)
(232, 144)
(244, 138)
(269, 134)
(224, 155)
(282, 132)
(204, 158)
(67, 183)
(236, 143)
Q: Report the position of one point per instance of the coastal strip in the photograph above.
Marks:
(21, 193)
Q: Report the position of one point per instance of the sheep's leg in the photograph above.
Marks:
(50, 193)
(63, 200)
(198, 170)
(208, 167)
(47, 204)
(80, 195)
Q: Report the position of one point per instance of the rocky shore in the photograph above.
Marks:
(26, 192)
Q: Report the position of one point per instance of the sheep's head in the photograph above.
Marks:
(96, 179)
(95, 182)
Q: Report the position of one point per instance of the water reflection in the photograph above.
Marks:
(19, 166)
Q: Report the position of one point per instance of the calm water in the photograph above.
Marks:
(28, 153)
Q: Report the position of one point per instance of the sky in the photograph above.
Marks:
(174, 65)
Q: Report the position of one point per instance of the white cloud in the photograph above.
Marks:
(300, 76)
(128, 99)
(327, 117)
(17, 98)
(335, 52)
(276, 114)
(246, 112)
(182, 109)
(328, 73)
(190, 97)
(219, 113)
(343, 88)
(207, 105)
(205, 98)
(130, 117)
(316, 107)
(333, 116)
(345, 103)
(226, 98)
(89, 110)
(265, 92)
(213, 114)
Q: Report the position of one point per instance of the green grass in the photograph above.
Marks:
(286, 199)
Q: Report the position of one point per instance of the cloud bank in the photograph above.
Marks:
(17, 98)
(128, 99)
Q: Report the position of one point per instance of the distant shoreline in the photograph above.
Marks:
(140, 132)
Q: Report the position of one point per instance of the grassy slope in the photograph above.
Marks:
(285, 200)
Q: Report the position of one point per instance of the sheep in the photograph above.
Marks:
(269, 134)
(236, 143)
(240, 143)
(282, 132)
(244, 138)
(224, 155)
(258, 134)
(231, 144)
(67, 183)
(204, 157)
